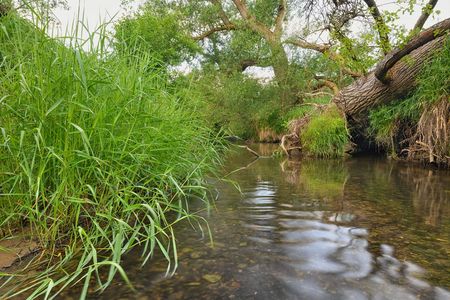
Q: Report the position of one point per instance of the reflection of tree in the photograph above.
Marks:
(323, 180)
(291, 170)
(430, 196)
(406, 206)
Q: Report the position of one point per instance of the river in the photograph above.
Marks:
(360, 228)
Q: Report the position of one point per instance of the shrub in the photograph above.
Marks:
(325, 135)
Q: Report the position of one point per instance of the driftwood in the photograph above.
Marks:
(250, 150)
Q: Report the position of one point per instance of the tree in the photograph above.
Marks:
(234, 25)
(393, 77)
(41, 9)
(214, 22)
(157, 34)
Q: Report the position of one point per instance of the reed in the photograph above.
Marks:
(97, 155)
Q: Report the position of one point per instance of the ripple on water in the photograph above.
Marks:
(329, 232)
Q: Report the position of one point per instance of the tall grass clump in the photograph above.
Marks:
(96, 156)
(325, 135)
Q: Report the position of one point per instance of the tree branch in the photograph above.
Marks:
(328, 83)
(380, 24)
(325, 49)
(317, 94)
(223, 16)
(251, 21)
(282, 9)
(423, 38)
(426, 12)
(226, 26)
(214, 30)
(307, 45)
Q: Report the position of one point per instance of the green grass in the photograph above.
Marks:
(325, 135)
(97, 156)
(302, 110)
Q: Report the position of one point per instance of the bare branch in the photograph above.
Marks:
(426, 12)
(423, 38)
(308, 45)
(328, 83)
(380, 24)
(316, 94)
(250, 150)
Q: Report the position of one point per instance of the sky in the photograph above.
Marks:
(96, 10)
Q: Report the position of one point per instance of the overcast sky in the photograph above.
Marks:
(96, 10)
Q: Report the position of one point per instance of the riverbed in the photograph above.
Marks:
(359, 228)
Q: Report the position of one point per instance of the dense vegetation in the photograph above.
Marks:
(231, 38)
(98, 154)
(417, 125)
(103, 141)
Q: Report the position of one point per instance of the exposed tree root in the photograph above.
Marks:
(431, 141)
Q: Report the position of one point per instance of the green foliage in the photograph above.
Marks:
(241, 46)
(158, 35)
(384, 120)
(325, 135)
(434, 79)
(236, 102)
(97, 156)
(302, 110)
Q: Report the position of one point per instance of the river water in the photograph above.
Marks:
(361, 228)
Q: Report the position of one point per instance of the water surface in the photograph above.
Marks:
(361, 228)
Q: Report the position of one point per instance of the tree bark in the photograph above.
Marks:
(366, 93)
(421, 39)
(280, 64)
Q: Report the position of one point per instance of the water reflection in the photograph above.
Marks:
(358, 229)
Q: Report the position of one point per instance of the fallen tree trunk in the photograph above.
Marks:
(393, 78)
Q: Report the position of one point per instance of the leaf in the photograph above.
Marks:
(212, 278)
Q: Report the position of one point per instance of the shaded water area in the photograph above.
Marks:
(361, 228)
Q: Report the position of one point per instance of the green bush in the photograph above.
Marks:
(236, 103)
(325, 135)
